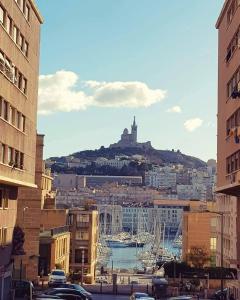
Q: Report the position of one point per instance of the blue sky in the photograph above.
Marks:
(104, 61)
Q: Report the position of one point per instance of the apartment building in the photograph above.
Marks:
(228, 150)
(84, 238)
(54, 250)
(44, 226)
(19, 61)
(199, 230)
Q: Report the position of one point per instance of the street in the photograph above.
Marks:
(110, 297)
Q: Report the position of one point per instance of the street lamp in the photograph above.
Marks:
(82, 266)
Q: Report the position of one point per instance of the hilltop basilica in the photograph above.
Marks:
(129, 140)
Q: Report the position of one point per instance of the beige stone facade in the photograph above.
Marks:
(199, 230)
(41, 226)
(54, 250)
(19, 63)
(84, 238)
(228, 150)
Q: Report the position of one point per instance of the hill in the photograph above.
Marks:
(160, 157)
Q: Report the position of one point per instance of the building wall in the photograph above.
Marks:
(230, 206)
(25, 103)
(51, 218)
(228, 154)
(226, 105)
(18, 113)
(198, 232)
(54, 252)
(61, 251)
(84, 238)
(28, 218)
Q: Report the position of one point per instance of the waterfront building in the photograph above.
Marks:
(84, 238)
(107, 194)
(161, 179)
(228, 151)
(19, 60)
(199, 230)
(73, 181)
(114, 163)
(110, 219)
(135, 218)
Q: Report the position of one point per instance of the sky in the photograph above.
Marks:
(105, 61)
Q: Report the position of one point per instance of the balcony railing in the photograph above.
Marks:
(82, 224)
(59, 230)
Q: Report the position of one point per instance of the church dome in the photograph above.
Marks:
(125, 131)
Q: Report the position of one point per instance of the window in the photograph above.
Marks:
(17, 159)
(21, 160)
(232, 9)
(83, 218)
(20, 41)
(25, 49)
(5, 199)
(4, 236)
(9, 25)
(1, 199)
(5, 110)
(10, 156)
(23, 123)
(232, 162)
(12, 112)
(27, 12)
(15, 34)
(213, 244)
(24, 85)
(18, 123)
(82, 235)
(2, 153)
(1, 15)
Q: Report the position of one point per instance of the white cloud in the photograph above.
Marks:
(59, 92)
(193, 124)
(175, 109)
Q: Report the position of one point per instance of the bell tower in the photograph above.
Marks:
(134, 131)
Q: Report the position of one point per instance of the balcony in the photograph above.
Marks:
(54, 231)
(59, 230)
(232, 187)
(82, 224)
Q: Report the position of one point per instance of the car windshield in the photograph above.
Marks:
(58, 273)
(140, 295)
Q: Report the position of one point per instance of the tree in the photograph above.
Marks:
(198, 257)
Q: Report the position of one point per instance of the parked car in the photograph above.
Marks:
(218, 294)
(102, 280)
(138, 296)
(76, 287)
(22, 288)
(57, 276)
(61, 292)
(181, 298)
(134, 282)
(46, 297)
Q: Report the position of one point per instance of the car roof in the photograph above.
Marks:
(138, 293)
(181, 298)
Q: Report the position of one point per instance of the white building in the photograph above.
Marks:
(161, 179)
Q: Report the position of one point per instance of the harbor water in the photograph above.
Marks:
(126, 258)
